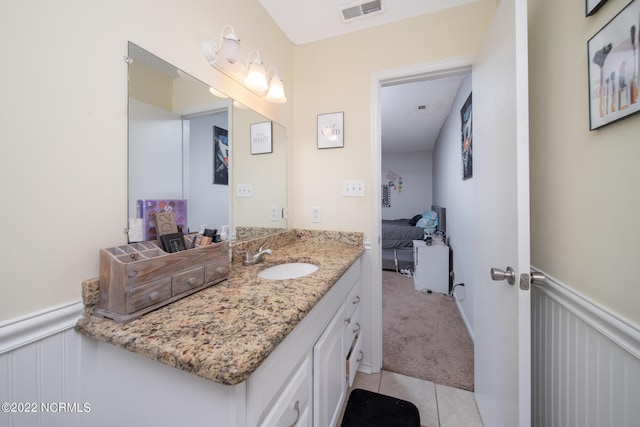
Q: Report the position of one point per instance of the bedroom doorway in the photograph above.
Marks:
(429, 71)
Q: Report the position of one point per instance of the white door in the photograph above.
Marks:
(329, 372)
(501, 224)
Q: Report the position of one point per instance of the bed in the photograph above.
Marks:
(398, 236)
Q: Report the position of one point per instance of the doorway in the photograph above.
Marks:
(378, 80)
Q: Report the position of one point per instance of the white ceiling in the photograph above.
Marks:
(404, 127)
(305, 21)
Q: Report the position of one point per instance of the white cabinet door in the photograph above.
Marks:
(292, 406)
(329, 372)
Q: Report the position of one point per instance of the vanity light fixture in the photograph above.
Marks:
(225, 56)
(256, 78)
(226, 53)
(276, 88)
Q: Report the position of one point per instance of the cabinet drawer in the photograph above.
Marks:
(148, 294)
(353, 300)
(216, 271)
(352, 330)
(354, 359)
(293, 405)
(187, 280)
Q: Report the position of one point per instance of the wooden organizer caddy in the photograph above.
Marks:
(140, 277)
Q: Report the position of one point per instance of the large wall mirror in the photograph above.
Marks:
(188, 142)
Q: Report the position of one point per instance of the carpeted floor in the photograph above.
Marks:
(424, 335)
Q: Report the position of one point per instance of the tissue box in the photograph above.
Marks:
(148, 208)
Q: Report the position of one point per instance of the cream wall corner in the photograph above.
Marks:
(334, 75)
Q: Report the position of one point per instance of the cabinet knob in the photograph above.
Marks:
(347, 320)
(192, 281)
(360, 357)
(357, 328)
(356, 299)
(296, 407)
(154, 296)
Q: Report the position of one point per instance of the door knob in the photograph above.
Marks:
(509, 275)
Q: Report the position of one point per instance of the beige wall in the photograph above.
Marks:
(64, 130)
(585, 186)
(64, 125)
(334, 75)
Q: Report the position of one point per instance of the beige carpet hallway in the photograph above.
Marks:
(424, 335)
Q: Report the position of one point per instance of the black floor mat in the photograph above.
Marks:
(369, 409)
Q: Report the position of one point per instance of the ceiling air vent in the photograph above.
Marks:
(361, 9)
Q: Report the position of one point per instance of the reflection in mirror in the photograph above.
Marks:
(180, 142)
(265, 173)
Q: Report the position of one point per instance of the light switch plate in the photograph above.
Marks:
(354, 188)
(244, 190)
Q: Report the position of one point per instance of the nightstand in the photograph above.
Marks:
(431, 265)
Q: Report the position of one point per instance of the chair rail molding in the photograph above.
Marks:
(618, 329)
(20, 331)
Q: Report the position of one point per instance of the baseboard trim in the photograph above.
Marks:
(18, 332)
(466, 322)
(623, 332)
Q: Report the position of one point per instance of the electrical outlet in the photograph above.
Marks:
(315, 213)
(274, 213)
(244, 190)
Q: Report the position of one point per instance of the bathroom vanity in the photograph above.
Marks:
(247, 351)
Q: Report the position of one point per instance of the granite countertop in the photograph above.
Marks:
(224, 332)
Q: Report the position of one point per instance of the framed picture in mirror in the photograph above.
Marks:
(261, 138)
(220, 156)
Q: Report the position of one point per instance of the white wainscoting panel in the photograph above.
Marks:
(41, 370)
(585, 362)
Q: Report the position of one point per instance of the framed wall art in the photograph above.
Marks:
(466, 134)
(592, 6)
(261, 138)
(331, 130)
(220, 156)
(613, 68)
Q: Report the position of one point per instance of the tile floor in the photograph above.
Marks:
(439, 405)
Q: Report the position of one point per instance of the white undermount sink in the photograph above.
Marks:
(290, 270)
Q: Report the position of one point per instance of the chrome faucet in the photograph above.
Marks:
(255, 259)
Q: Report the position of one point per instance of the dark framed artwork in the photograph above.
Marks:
(331, 130)
(466, 131)
(613, 68)
(592, 6)
(220, 156)
(386, 196)
(261, 138)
